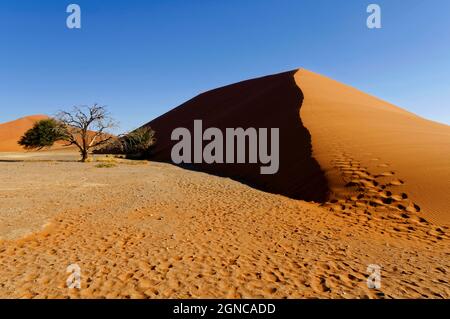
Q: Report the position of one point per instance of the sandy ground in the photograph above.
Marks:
(363, 183)
(157, 231)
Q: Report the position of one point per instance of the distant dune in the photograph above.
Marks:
(338, 146)
(10, 132)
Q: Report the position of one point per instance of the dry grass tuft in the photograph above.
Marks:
(105, 165)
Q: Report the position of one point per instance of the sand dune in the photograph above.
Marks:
(11, 132)
(377, 174)
(383, 155)
(272, 101)
(338, 146)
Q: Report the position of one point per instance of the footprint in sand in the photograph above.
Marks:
(370, 192)
(396, 182)
(385, 174)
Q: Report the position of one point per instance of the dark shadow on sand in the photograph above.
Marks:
(268, 102)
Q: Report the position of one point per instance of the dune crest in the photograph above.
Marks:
(158, 231)
(374, 154)
(338, 146)
(268, 102)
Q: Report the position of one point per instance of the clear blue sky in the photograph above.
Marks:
(142, 58)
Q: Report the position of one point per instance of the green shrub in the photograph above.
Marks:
(44, 133)
(137, 144)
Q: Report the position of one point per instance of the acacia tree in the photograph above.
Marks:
(44, 133)
(87, 127)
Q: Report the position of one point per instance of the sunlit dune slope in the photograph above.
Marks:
(338, 146)
(389, 156)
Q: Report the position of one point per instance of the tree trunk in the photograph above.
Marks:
(84, 156)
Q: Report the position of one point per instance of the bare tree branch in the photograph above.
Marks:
(87, 127)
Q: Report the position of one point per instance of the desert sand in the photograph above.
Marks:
(158, 231)
(361, 182)
(400, 160)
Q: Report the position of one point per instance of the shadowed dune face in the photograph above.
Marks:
(268, 102)
(338, 145)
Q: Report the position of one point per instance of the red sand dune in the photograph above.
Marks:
(392, 153)
(338, 146)
(11, 132)
(272, 101)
